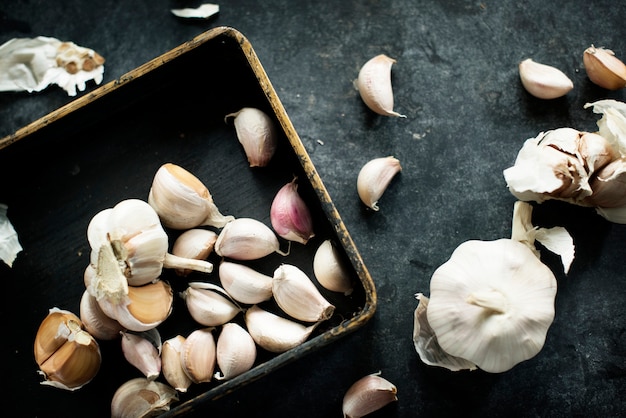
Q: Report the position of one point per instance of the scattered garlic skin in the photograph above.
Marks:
(208, 304)
(604, 68)
(544, 81)
(198, 355)
(171, 364)
(367, 395)
(245, 284)
(194, 243)
(140, 397)
(374, 178)
(374, 85)
(67, 355)
(257, 134)
(235, 351)
(246, 239)
(142, 353)
(96, 322)
(290, 216)
(330, 269)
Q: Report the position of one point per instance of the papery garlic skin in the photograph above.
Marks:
(612, 124)
(367, 395)
(374, 178)
(330, 269)
(235, 352)
(290, 216)
(198, 355)
(275, 333)
(140, 397)
(141, 352)
(171, 364)
(246, 239)
(604, 68)
(245, 284)
(374, 85)
(8, 238)
(256, 133)
(544, 81)
(208, 304)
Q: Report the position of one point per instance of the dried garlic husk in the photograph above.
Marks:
(374, 85)
(208, 304)
(256, 133)
(247, 239)
(198, 355)
(194, 243)
(368, 394)
(244, 284)
(275, 333)
(172, 366)
(612, 124)
(604, 68)
(9, 242)
(290, 216)
(140, 397)
(235, 352)
(143, 350)
(32, 64)
(544, 81)
(374, 178)
(330, 269)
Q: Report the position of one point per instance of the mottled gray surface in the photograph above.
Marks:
(456, 80)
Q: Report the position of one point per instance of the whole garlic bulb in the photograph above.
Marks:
(374, 85)
(256, 133)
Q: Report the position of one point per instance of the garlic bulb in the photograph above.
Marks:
(198, 355)
(140, 397)
(68, 356)
(194, 243)
(143, 350)
(544, 81)
(246, 239)
(209, 304)
(96, 322)
(367, 395)
(256, 133)
(374, 178)
(172, 366)
(330, 269)
(374, 85)
(290, 216)
(604, 68)
(244, 284)
(275, 333)
(235, 352)
(182, 201)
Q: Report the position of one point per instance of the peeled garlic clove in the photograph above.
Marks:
(368, 394)
(246, 239)
(182, 201)
(275, 333)
(172, 366)
(544, 81)
(67, 355)
(194, 243)
(296, 294)
(198, 355)
(330, 269)
(208, 304)
(140, 351)
(374, 178)
(290, 216)
(235, 351)
(604, 68)
(256, 133)
(140, 397)
(244, 284)
(374, 85)
(96, 322)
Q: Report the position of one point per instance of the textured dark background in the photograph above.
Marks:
(456, 80)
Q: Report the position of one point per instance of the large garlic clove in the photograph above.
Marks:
(172, 366)
(374, 178)
(609, 185)
(246, 239)
(140, 397)
(208, 304)
(330, 269)
(96, 322)
(290, 216)
(68, 356)
(198, 355)
(143, 350)
(374, 85)
(544, 81)
(182, 201)
(368, 394)
(235, 351)
(194, 243)
(298, 296)
(604, 68)
(244, 284)
(275, 333)
(256, 133)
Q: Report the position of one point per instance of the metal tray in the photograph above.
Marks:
(104, 147)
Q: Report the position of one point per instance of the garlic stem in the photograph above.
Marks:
(176, 262)
(491, 300)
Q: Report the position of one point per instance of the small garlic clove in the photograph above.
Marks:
(96, 322)
(298, 296)
(195, 244)
(246, 239)
(544, 81)
(330, 269)
(171, 364)
(198, 355)
(368, 394)
(140, 397)
(275, 333)
(290, 216)
(604, 68)
(140, 351)
(374, 85)
(235, 351)
(182, 201)
(244, 284)
(256, 133)
(209, 305)
(374, 178)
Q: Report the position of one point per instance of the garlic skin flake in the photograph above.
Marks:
(9, 242)
(374, 85)
(604, 68)
(140, 397)
(32, 64)
(204, 11)
(367, 395)
(290, 216)
(257, 134)
(374, 178)
(544, 81)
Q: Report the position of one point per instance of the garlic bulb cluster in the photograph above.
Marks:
(290, 216)
(374, 85)
(374, 178)
(256, 133)
(544, 81)
(367, 395)
(604, 68)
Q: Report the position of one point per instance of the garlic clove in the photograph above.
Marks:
(374, 178)
(246, 239)
(374, 85)
(244, 284)
(604, 68)
(367, 395)
(290, 216)
(298, 296)
(171, 364)
(194, 244)
(208, 304)
(182, 201)
(96, 322)
(235, 351)
(544, 81)
(198, 355)
(330, 269)
(140, 351)
(256, 133)
(140, 397)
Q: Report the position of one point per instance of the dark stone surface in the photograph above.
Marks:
(456, 80)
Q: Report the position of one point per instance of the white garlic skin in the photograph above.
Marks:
(367, 395)
(330, 269)
(140, 397)
(245, 284)
(246, 239)
(374, 178)
(374, 85)
(235, 352)
(256, 133)
(544, 81)
(275, 333)
(290, 216)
